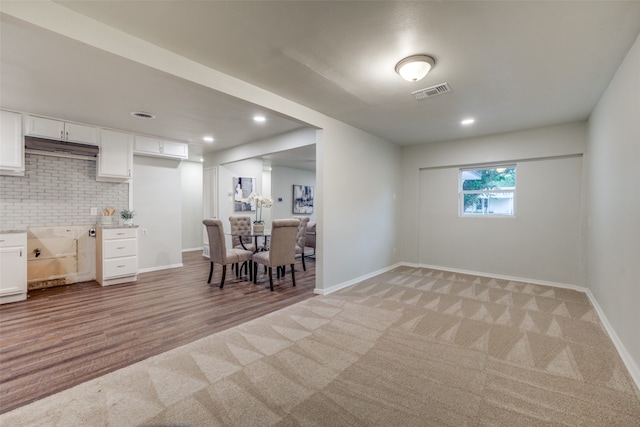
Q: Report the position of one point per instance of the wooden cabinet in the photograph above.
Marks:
(11, 144)
(155, 147)
(55, 129)
(116, 255)
(115, 160)
(13, 267)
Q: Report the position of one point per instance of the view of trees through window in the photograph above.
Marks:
(488, 191)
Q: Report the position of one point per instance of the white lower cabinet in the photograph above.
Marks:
(13, 267)
(116, 255)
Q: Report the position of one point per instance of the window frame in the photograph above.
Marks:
(462, 192)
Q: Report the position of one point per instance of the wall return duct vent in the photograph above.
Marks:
(431, 91)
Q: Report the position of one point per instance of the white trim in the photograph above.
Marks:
(628, 361)
(192, 249)
(343, 285)
(500, 276)
(162, 267)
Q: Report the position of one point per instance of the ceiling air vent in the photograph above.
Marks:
(142, 115)
(431, 91)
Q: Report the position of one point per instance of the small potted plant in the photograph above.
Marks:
(127, 216)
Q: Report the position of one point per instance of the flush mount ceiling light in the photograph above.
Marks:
(414, 68)
(259, 118)
(467, 122)
(207, 138)
(142, 115)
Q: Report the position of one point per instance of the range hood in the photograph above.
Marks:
(55, 147)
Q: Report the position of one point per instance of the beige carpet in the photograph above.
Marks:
(408, 347)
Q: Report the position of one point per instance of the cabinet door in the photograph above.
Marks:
(11, 144)
(175, 149)
(116, 156)
(80, 133)
(147, 145)
(46, 128)
(13, 270)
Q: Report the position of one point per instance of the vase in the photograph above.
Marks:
(128, 222)
(258, 228)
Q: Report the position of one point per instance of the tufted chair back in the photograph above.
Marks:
(241, 224)
(301, 237)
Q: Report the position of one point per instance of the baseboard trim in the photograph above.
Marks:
(162, 267)
(192, 249)
(500, 276)
(628, 361)
(346, 284)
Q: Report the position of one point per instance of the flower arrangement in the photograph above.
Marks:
(261, 202)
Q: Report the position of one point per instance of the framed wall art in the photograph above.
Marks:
(242, 188)
(302, 199)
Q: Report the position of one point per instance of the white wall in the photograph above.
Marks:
(613, 236)
(442, 160)
(157, 201)
(246, 168)
(283, 180)
(358, 179)
(541, 241)
(191, 192)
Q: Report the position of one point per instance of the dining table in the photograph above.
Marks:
(263, 234)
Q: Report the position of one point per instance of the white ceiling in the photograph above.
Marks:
(510, 65)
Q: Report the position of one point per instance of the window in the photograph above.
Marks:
(488, 191)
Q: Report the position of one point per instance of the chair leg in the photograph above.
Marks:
(224, 273)
(293, 276)
(271, 278)
(210, 272)
(304, 267)
(255, 273)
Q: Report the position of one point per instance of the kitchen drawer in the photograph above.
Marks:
(118, 267)
(119, 233)
(119, 248)
(13, 239)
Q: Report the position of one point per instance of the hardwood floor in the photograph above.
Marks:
(63, 336)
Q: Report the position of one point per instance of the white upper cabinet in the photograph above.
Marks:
(55, 129)
(116, 156)
(11, 144)
(155, 147)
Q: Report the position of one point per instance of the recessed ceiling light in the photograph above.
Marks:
(207, 138)
(142, 115)
(467, 122)
(201, 159)
(259, 118)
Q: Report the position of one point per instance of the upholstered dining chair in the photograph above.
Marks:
(241, 224)
(301, 238)
(282, 249)
(218, 252)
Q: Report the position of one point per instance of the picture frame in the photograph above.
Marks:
(242, 188)
(302, 199)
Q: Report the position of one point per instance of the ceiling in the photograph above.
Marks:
(510, 65)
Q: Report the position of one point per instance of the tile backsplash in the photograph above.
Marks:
(57, 191)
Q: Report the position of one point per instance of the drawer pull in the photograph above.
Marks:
(120, 247)
(120, 266)
(120, 234)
